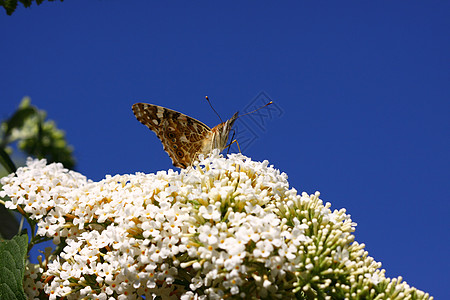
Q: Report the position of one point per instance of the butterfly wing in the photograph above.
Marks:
(182, 136)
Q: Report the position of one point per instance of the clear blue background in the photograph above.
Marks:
(364, 89)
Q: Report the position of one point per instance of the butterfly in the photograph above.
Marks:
(183, 138)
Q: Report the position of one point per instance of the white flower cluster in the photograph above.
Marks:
(225, 228)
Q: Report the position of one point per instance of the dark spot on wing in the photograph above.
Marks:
(175, 115)
(166, 114)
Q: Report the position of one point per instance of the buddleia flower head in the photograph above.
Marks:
(223, 228)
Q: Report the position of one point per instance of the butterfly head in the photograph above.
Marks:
(221, 133)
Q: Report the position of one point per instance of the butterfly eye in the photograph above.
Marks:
(180, 153)
(171, 135)
(175, 146)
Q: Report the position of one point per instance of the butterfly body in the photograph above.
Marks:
(183, 137)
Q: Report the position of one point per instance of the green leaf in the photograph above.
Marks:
(24, 113)
(18, 119)
(26, 3)
(12, 267)
(9, 226)
(11, 5)
(6, 161)
(36, 136)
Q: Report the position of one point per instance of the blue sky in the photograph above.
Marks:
(361, 90)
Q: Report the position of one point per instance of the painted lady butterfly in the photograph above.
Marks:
(183, 137)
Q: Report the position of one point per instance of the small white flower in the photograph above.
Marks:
(373, 277)
(210, 213)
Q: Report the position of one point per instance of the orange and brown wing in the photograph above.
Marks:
(182, 136)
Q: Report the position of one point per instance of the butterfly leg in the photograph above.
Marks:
(233, 141)
(237, 144)
(195, 156)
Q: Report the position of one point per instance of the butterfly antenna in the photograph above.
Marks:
(271, 102)
(207, 99)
